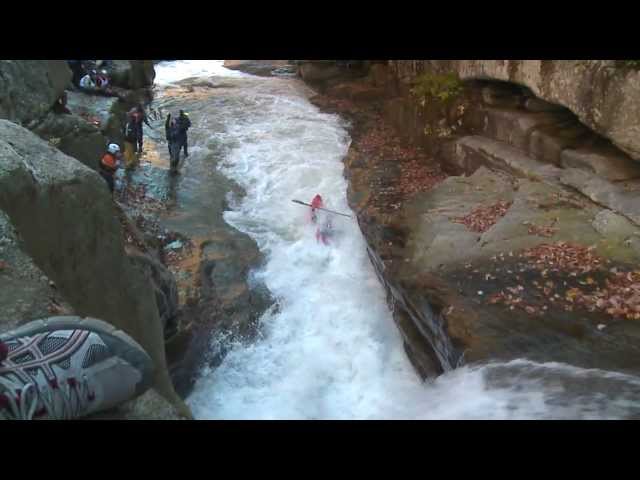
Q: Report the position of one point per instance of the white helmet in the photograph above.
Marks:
(113, 148)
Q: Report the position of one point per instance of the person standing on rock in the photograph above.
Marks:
(184, 123)
(109, 165)
(130, 138)
(139, 117)
(174, 141)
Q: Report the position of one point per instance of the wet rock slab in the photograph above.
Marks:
(263, 68)
(443, 275)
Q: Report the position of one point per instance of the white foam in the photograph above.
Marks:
(171, 72)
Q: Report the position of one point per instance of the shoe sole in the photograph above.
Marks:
(120, 343)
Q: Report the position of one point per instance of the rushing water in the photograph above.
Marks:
(331, 349)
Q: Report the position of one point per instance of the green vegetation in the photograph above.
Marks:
(442, 87)
(634, 64)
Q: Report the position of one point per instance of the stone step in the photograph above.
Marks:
(554, 137)
(603, 192)
(510, 125)
(471, 152)
(606, 161)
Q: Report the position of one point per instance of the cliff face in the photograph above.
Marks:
(603, 95)
(528, 248)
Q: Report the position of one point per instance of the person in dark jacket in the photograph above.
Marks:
(174, 141)
(184, 123)
(78, 70)
(138, 116)
(60, 107)
(130, 139)
(168, 131)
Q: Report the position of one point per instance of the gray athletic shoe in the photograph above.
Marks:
(69, 367)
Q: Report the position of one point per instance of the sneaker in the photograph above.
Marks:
(69, 367)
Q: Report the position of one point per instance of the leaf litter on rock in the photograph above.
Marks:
(482, 219)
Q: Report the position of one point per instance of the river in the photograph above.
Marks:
(330, 350)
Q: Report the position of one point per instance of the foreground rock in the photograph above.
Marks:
(65, 216)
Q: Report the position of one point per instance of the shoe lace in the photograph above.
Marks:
(65, 401)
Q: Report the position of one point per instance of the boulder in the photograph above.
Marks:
(29, 88)
(74, 136)
(132, 74)
(66, 218)
(318, 72)
(92, 107)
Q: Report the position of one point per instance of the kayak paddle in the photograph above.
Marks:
(320, 208)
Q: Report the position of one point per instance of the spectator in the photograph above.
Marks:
(60, 107)
(109, 165)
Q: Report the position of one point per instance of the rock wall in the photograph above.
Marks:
(603, 95)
